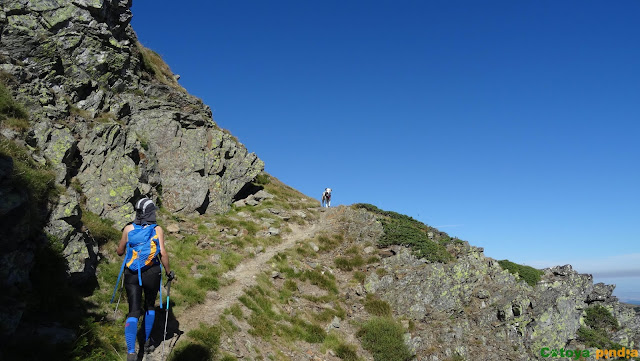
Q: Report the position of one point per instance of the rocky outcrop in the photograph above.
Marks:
(110, 121)
(100, 114)
(475, 309)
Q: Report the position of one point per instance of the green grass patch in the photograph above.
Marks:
(100, 228)
(262, 325)
(152, 62)
(257, 299)
(325, 281)
(38, 180)
(205, 345)
(327, 314)
(326, 243)
(290, 285)
(286, 197)
(353, 250)
(384, 338)
(9, 108)
(377, 307)
(262, 179)
(236, 311)
(524, 273)
(209, 279)
(348, 264)
(359, 276)
(400, 229)
(227, 326)
(230, 259)
(346, 352)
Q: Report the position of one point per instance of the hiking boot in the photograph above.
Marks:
(148, 345)
(132, 357)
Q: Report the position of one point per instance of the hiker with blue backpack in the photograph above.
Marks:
(142, 243)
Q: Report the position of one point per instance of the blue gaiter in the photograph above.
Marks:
(149, 316)
(130, 330)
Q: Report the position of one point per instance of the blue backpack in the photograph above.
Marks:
(143, 250)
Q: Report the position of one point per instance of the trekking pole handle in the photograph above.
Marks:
(170, 277)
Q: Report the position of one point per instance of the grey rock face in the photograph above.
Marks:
(101, 116)
(474, 308)
(103, 119)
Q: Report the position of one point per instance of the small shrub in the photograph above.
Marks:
(354, 250)
(598, 317)
(347, 352)
(596, 338)
(290, 285)
(342, 264)
(384, 338)
(525, 273)
(359, 276)
(600, 324)
(262, 179)
(348, 264)
(377, 307)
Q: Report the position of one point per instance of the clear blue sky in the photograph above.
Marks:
(513, 125)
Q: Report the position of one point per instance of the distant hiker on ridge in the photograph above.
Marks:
(326, 198)
(143, 242)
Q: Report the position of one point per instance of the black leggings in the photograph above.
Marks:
(150, 284)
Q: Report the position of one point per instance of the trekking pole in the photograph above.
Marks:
(119, 298)
(171, 277)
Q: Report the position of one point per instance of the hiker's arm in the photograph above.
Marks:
(123, 240)
(164, 256)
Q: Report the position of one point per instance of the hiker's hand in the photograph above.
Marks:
(171, 276)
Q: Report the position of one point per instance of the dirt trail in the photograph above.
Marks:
(244, 276)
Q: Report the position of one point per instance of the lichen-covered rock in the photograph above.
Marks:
(101, 114)
(104, 120)
(475, 309)
(64, 218)
(81, 253)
